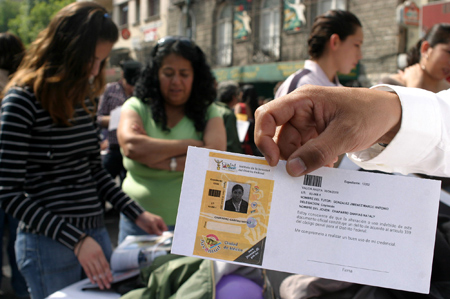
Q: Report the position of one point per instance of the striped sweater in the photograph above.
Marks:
(51, 176)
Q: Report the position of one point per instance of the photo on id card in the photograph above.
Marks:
(235, 209)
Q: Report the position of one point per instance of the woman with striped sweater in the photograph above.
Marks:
(51, 175)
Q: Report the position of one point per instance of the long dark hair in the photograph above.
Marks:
(250, 97)
(11, 52)
(203, 91)
(340, 22)
(58, 64)
(438, 34)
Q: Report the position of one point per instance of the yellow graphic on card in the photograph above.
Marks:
(235, 210)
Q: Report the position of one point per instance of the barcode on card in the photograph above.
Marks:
(214, 193)
(312, 180)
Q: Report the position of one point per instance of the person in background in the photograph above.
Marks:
(11, 54)
(249, 102)
(428, 62)
(116, 93)
(228, 95)
(172, 109)
(428, 66)
(52, 178)
(245, 110)
(276, 87)
(334, 45)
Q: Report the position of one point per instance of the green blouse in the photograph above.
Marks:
(158, 191)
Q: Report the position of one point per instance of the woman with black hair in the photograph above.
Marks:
(171, 110)
(428, 62)
(334, 45)
(12, 51)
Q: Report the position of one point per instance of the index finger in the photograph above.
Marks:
(265, 128)
(267, 118)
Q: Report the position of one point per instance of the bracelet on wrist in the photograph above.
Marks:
(80, 243)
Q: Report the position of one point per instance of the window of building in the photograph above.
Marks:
(153, 8)
(224, 36)
(138, 11)
(123, 10)
(269, 33)
(322, 6)
(186, 27)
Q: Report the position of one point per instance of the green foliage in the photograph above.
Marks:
(9, 9)
(33, 17)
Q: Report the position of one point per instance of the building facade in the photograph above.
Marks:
(261, 42)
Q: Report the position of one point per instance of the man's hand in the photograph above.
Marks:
(317, 124)
(151, 223)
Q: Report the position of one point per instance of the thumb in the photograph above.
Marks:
(314, 154)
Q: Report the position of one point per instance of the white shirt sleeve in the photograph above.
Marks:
(422, 144)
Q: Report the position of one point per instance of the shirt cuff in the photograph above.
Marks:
(69, 235)
(420, 126)
(132, 210)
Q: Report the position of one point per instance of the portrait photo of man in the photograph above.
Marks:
(237, 199)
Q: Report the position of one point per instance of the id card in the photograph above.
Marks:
(235, 209)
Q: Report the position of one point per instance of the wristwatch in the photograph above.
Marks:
(173, 164)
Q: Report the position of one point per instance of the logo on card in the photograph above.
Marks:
(223, 165)
(210, 243)
(219, 163)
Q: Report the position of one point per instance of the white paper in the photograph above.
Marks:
(346, 163)
(359, 227)
(125, 256)
(85, 289)
(242, 128)
(114, 118)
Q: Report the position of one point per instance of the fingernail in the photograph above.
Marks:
(296, 166)
(268, 159)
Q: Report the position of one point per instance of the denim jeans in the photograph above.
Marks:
(128, 228)
(49, 266)
(17, 281)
